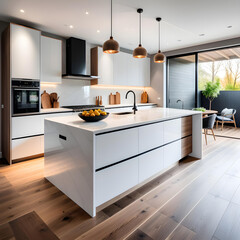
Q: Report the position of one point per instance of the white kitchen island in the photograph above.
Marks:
(93, 163)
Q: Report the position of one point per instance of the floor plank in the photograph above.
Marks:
(31, 226)
(226, 187)
(182, 233)
(236, 197)
(205, 217)
(139, 235)
(229, 227)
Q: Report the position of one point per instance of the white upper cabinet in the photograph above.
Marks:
(119, 69)
(51, 60)
(105, 67)
(25, 52)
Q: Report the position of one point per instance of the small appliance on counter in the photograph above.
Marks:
(25, 96)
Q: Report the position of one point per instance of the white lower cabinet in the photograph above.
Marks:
(26, 126)
(25, 143)
(150, 136)
(116, 146)
(171, 153)
(25, 147)
(150, 164)
(112, 181)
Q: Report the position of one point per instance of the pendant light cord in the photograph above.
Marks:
(140, 29)
(159, 36)
(111, 18)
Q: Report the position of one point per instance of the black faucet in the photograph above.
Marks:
(134, 104)
(179, 100)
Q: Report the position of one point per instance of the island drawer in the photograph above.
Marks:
(114, 180)
(172, 130)
(115, 146)
(172, 153)
(150, 164)
(150, 136)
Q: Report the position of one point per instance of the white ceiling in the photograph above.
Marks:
(182, 20)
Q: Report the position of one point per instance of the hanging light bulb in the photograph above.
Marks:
(111, 46)
(159, 57)
(140, 51)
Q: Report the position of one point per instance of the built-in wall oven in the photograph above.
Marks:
(25, 96)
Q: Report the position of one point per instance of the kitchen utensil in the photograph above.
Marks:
(45, 100)
(144, 97)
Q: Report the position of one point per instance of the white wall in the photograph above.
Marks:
(79, 92)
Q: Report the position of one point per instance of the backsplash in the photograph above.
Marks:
(80, 92)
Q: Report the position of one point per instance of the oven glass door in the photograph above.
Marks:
(25, 100)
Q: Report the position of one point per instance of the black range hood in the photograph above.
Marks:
(76, 60)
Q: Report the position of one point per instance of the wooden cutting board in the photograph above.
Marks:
(144, 97)
(117, 98)
(46, 100)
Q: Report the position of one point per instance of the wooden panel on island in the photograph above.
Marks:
(186, 146)
(186, 126)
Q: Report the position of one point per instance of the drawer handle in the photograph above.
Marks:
(62, 137)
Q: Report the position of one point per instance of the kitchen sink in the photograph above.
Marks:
(123, 113)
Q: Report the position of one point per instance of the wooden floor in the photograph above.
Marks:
(228, 131)
(195, 200)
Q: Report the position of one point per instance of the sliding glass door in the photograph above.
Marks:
(182, 82)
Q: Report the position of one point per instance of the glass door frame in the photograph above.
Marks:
(197, 95)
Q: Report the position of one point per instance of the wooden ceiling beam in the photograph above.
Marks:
(234, 52)
(223, 55)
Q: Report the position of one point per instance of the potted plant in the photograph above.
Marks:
(211, 91)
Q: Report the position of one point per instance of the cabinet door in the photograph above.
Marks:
(26, 126)
(172, 153)
(26, 147)
(105, 67)
(133, 71)
(51, 60)
(150, 136)
(144, 72)
(112, 181)
(116, 146)
(150, 164)
(25, 52)
(120, 67)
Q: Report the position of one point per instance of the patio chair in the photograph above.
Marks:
(208, 123)
(227, 116)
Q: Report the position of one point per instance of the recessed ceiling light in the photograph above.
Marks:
(22, 11)
(98, 31)
(87, 12)
(202, 34)
(229, 26)
(70, 26)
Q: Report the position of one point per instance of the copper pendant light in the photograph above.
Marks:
(159, 57)
(111, 46)
(140, 51)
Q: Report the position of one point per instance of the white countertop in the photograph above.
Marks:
(54, 110)
(128, 105)
(114, 121)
